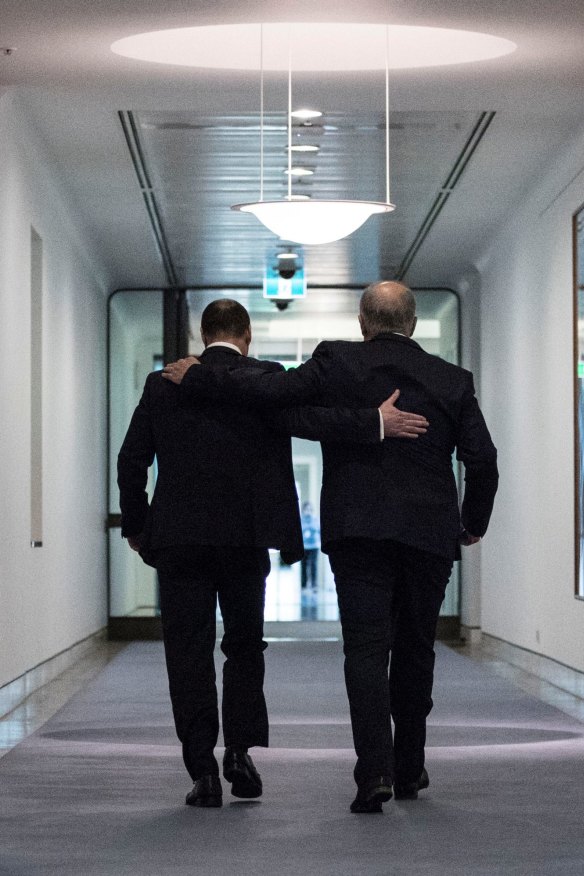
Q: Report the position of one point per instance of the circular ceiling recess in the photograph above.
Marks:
(326, 47)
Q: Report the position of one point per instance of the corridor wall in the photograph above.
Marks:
(54, 596)
(527, 395)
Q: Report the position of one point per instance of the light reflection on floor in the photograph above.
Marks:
(42, 704)
(285, 600)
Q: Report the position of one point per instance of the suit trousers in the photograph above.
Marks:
(389, 601)
(191, 579)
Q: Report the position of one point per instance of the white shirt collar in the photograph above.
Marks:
(224, 344)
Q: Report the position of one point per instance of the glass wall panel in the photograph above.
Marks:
(135, 350)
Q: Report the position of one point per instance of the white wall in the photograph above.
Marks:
(54, 596)
(469, 289)
(527, 396)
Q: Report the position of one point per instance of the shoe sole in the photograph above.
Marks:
(373, 802)
(407, 795)
(205, 802)
(413, 794)
(242, 786)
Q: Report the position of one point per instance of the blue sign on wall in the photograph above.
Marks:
(277, 287)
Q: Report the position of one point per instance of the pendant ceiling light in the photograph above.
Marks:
(326, 47)
(313, 221)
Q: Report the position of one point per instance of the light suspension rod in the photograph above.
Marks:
(289, 116)
(387, 192)
(261, 112)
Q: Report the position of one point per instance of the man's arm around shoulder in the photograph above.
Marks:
(280, 389)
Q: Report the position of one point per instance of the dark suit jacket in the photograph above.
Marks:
(225, 474)
(400, 489)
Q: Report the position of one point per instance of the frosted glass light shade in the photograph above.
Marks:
(314, 221)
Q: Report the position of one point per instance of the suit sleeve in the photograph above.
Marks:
(329, 424)
(274, 389)
(134, 459)
(475, 449)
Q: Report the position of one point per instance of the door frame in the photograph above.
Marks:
(175, 345)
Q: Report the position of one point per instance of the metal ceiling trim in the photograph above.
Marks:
(478, 132)
(130, 129)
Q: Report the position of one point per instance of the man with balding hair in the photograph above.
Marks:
(391, 522)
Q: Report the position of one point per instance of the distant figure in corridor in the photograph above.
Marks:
(391, 522)
(311, 538)
(224, 494)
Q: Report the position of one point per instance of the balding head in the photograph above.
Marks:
(387, 307)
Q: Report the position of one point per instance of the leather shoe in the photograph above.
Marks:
(409, 790)
(371, 794)
(239, 769)
(206, 792)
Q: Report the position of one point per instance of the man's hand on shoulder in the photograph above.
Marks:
(135, 542)
(466, 539)
(401, 424)
(175, 371)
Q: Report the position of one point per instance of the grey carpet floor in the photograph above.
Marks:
(100, 788)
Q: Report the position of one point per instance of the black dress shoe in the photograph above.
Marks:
(371, 794)
(409, 790)
(239, 769)
(206, 792)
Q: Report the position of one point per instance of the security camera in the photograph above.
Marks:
(282, 305)
(286, 271)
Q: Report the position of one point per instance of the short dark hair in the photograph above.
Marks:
(224, 318)
(387, 307)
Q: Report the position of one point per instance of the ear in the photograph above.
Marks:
(362, 325)
(247, 335)
(414, 324)
(203, 338)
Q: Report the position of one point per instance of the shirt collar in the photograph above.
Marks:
(224, 344)
(397, 336)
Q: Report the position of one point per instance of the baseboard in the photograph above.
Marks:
(559, 675)
(448, 629)
(471, 635)
(129, 629)
(16, 691)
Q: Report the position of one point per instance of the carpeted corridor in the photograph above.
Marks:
(100, 788)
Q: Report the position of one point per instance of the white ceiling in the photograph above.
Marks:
(71, 87)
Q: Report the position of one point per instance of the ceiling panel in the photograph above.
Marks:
(202, 142)
(201, 164)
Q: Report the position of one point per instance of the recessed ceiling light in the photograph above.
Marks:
(287, 255)
(331, 46)
(306, 114)
(299, 171)
(304, 147)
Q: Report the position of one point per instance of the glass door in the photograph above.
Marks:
(150, 327)
(290, 337)
(136, 334)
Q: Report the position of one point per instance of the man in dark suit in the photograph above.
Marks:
(224, 494)
(390, 520)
